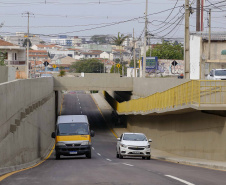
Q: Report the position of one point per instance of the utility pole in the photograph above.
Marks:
(198, 15)
(134, 56)
(209, 41)
(145, 40)
(27, 66)
(187, 41)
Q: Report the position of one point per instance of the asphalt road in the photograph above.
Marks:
(104, 168)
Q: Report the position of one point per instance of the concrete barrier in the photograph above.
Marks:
(143, 87)
(194, 134)
(94, 82)
(27, 120)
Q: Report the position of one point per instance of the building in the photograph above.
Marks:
(90, 54)
(38, 55)
(117, 54)
(14, 55)
(45, 47)
(92, 46)
(105, 55)
(20, 37)
(200, 61)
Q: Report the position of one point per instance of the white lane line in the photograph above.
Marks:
(108, 159)
(181, 180)
(80, 107)
(93, 148)
(79, 103)
(81, 112)
(98, 154)
(127, 164)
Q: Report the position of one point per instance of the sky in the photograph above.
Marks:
(90, 17)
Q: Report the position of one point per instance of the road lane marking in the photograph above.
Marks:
(81, 112)
(108, 159)
(181, 180)
(79, 103)
(98, 154)
(11, 173)
(80, 107)
(127, 164)
(93, 148)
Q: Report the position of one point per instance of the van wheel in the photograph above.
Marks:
(88, 155)
(57, 156)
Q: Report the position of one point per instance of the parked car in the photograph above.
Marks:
(217, 74)
(134, 145)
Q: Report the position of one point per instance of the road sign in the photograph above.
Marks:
(118, 65)
(174, 63)
(46, 63)
(54, 66)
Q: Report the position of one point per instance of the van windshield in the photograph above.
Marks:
(220, 73)
(72, 129)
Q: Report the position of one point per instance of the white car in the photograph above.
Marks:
(134, 145)
(217, 74)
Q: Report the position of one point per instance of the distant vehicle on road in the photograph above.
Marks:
(133, 145)
(217, 74)
(72, 136)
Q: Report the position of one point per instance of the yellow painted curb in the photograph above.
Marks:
(11, 173)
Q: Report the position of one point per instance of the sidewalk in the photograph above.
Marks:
(106, 111)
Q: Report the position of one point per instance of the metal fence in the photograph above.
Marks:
(196, 92)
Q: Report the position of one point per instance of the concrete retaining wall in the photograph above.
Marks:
(3, 74)
(27, 119)
(195, 134)
(143, 87)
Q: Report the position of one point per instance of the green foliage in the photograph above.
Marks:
(119, 39)
(3, 56)
(167, 50)
(132, 63)
(87, 66)
(114, 69)
(25, 43)
(99, 39)
(62, 73)
(117, 60)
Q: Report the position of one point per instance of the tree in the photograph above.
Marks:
(132, 64)
(115, 69)
(87, 66)
(3, 56)
(25, 43)
(99, 39)
(167, 50)
(118, 41)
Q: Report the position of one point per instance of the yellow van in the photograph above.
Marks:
(72, 136)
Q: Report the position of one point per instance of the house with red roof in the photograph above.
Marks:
(14, 55)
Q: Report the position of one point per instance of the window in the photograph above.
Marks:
(91, 55)
(96, 56)
(15, 56)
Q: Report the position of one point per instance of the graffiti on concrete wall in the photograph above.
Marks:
(166, 67)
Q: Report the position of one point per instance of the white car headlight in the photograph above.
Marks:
(60, 144)
(122, 145)
(85, 143)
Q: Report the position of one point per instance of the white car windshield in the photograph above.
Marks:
(72, 129)
(220, 73)
(134, 137)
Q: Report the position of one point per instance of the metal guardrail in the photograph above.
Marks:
(198, 92)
